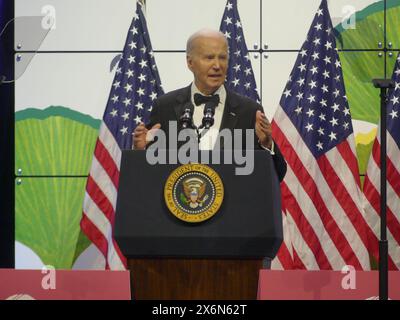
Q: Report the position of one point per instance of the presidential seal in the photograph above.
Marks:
(194, 192)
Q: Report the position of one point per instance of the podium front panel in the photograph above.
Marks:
(248, 224)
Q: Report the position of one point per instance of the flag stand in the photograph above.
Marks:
(384, 85)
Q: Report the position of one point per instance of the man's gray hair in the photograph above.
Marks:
(210, 33)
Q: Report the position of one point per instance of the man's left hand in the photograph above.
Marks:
(263, 130)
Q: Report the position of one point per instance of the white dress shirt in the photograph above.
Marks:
(208, 141)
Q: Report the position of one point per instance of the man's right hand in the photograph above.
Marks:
(139, 136)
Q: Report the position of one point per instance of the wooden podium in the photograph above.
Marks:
(219, 258)
(194, 279)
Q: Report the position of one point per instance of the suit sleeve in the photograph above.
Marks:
(277, 157)
(279, 162)
(155, 116)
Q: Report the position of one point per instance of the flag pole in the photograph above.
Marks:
(384, 85)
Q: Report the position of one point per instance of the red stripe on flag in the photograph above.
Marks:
(392, 175)
(120, 254)
(350, 159)
(349, 207)
(373, 197)
(376, 154)
(298, 264)
(107, 162)
(284, 257)
(294, 209)
(100, 199)
(107, 209)
(372, 194)
(311, 188)
(95, 236)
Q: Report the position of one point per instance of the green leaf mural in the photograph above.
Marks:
(390, 64)
(393, 23)
(47, 215)
(54, 141)
(81, 244)
(368, 31)
(360, 67)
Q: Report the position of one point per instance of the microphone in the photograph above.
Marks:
(186, 118)
(208, 118)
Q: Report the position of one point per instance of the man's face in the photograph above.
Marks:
(209, 62)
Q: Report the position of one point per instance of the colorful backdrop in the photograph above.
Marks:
(63, 86)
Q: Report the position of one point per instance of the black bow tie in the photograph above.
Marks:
(200, 99)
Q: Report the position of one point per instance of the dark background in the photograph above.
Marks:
(7, 225)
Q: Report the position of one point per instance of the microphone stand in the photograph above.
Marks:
(208, 120)
(187, 122)
(384, 85)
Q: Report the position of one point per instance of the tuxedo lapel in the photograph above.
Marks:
(230, 117)
(182, 99)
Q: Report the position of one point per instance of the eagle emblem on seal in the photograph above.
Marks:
(194, 192)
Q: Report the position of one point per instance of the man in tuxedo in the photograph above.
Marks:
(207, 58)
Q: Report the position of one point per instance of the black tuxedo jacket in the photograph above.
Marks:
(239, 113)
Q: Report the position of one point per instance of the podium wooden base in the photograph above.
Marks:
(202, 279)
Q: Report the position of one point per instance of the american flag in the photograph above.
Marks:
(323, 215)
(372, 180)
(240, 77)
(136, 85)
